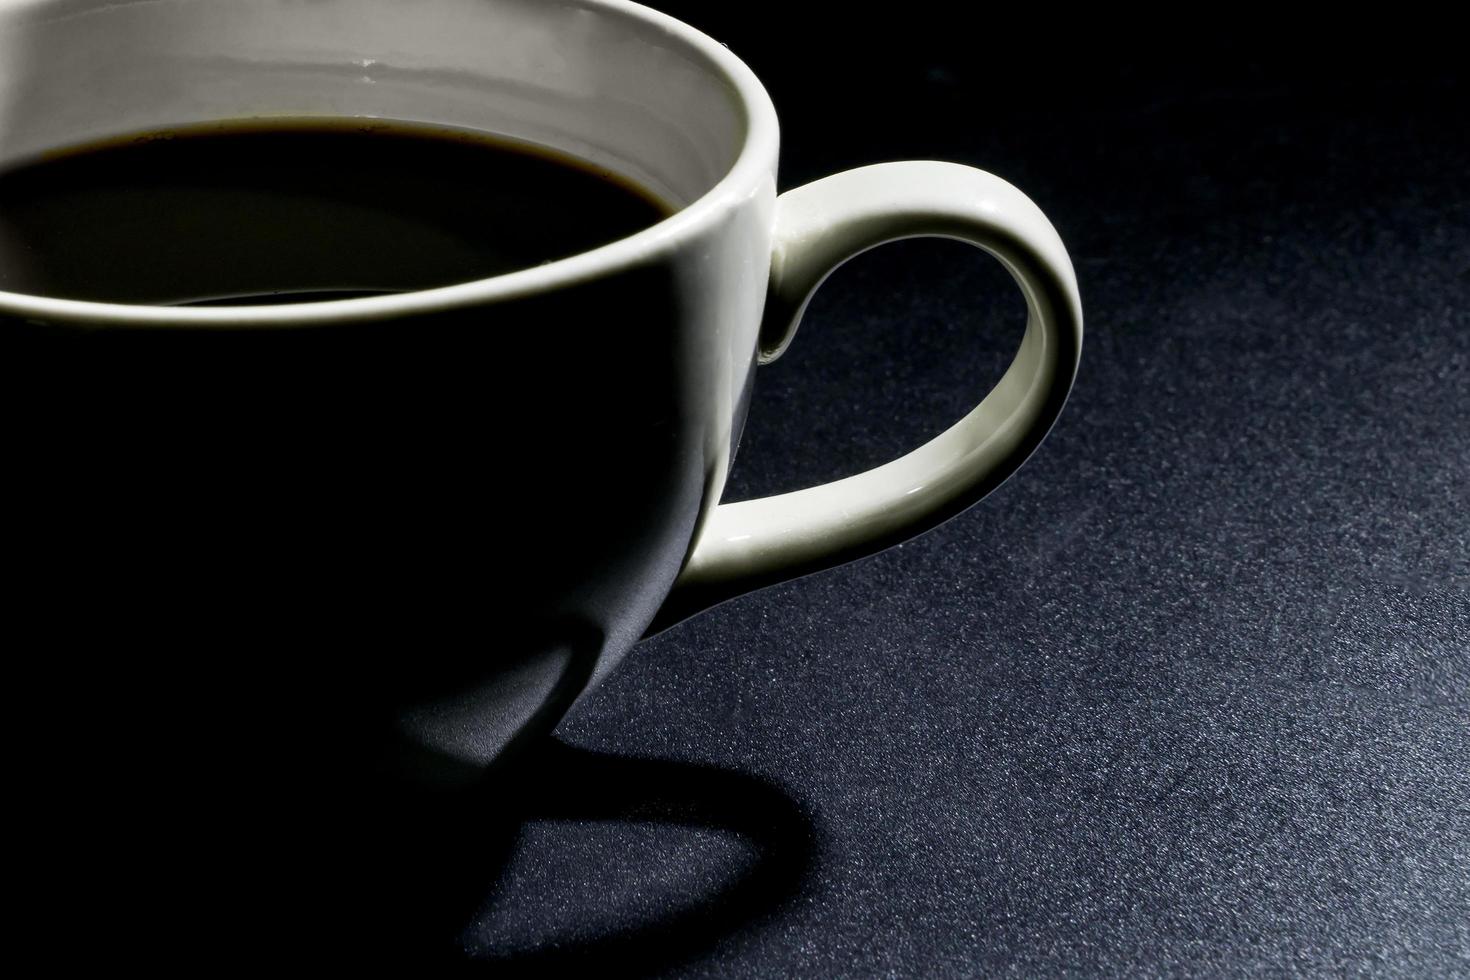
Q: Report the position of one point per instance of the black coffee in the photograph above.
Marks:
(287, 211)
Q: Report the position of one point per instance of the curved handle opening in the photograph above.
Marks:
(755, 543)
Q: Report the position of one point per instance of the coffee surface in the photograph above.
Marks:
(297, 210)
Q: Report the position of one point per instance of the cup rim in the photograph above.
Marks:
(752, 165)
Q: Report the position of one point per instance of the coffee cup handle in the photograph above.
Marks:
(751, 544)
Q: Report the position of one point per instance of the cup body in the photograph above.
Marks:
(401, 532)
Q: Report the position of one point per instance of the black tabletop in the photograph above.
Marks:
(1191, 693)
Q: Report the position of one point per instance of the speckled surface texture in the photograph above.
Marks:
(1188, 696)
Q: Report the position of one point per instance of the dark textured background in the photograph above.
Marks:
(1191, 693)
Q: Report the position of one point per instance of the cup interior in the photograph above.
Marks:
(602, 80)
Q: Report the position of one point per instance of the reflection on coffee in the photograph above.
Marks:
(292, 210)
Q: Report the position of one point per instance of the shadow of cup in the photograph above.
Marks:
(529, 929)
(394, 874)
